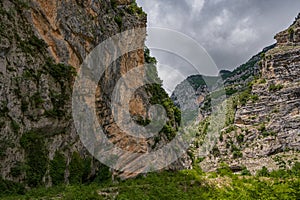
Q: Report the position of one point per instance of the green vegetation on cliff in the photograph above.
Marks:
(160, 96)
(36, 157)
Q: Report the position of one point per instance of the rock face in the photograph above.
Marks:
(42, 45)
(263, 122)
(291, 35)
(233, 81)
(273, 118)
(246, 72)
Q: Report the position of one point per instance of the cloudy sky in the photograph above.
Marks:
(231, 31)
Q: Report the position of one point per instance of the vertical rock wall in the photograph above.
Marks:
(42, 45)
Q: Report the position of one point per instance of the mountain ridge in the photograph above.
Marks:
(260, 94)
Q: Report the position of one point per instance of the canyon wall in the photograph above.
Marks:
(42, 46)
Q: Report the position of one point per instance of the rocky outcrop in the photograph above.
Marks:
(262, 120)
(42, 45)
(185, 97)
(291, 35)
(265, 131)
(232, 81)
(245, 73)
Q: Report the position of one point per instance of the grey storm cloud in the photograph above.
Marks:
(231, 31)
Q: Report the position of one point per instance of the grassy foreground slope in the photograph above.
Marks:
(186, 184)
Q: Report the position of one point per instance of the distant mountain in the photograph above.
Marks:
(262, 122)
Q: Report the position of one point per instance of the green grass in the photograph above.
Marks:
(186, 184)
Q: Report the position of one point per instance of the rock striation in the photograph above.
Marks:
(42, 45)
(262, 123)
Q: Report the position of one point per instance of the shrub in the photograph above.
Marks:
(262, 127)
(268, 133)
(237, 154)
(22, 4)
(276, 110)
(230, 91)
(262, 81)
(263, 172)
(168, 131)
(279, 161)
(296, 169)
(15, 126)
(3, 109)
(59, 101)
(143, 122)
(224, 170)
(36, 99)
(254, 98)
(104, 174)
(151, 73)
(36, 157)
(32, 45)
(57, 168)
(133, 8)
(39, 43)
(216, 151)
(279, 174)
(240, 138)
(60, 72)
(291, 31)
(230, 129)
(274, 88)
(245, 172)
(18, 169)
(87, 163)
(76, 169)
(9, 188)
(113, 4)
(24, 105)
(148, 58)
(244, 97)
(118, 20)
(221, 138)
(177, 115)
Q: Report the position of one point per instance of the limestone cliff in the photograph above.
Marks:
(266, 125)
(42, 45)
(262, 123)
